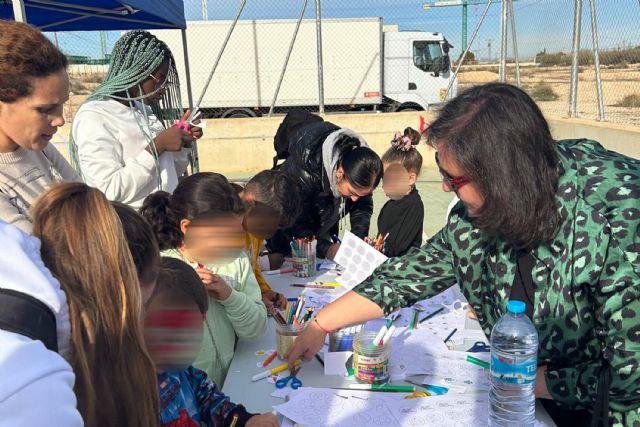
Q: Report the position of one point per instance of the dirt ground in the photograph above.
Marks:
(616, 84)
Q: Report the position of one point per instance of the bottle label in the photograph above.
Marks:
(513, 369)
(371, 368)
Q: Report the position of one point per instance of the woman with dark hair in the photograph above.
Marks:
(552, 223)
(337, 173)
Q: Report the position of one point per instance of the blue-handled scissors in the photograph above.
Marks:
(295, 382)
(479, 347)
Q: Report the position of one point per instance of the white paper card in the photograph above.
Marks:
(358, 259)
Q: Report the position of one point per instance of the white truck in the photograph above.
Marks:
(365, 67)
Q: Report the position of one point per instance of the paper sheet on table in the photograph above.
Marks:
(286, 422)
(328, 265)
(450, 367)
(440, 325)
(358, 259)
(335, 362)
(313, 407)
(317, 300)
(456, 410)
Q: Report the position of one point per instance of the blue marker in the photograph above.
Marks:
(336, 238)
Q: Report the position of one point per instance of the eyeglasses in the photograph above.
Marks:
(159, 84)
(455, 183)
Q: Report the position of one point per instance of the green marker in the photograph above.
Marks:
(478, 362)
(383, 387)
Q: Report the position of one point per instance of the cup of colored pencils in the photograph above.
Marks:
(379, 243)
(290, 324)
(304, 256)
(342, 339)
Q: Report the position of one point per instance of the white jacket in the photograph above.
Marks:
(112, 151)
(36, 384)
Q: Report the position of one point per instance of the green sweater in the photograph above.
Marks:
(587, 279)
(242, 315)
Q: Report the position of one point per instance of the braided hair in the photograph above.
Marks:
(135, 56)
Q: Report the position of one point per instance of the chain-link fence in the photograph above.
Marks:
(392, 54)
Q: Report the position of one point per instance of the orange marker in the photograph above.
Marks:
(269, 359)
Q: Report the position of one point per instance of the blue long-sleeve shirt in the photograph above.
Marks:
(189, 398)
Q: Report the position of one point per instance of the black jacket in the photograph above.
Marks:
(402, 221)
(320, 209)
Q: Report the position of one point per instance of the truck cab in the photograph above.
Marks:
(417, 70)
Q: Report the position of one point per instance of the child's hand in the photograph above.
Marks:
(263, 420)
(272, 299)
(217, 287)
(332, 251)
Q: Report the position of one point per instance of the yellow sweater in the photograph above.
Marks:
(252, 246)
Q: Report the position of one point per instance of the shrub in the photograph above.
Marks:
(630, 101)
(544, 92)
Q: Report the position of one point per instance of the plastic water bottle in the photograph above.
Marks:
(514, 354)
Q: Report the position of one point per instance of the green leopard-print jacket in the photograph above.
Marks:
(587, 279)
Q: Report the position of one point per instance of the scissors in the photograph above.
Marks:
(479, 347)
(295, 382)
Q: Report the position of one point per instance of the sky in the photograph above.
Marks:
(540, 24)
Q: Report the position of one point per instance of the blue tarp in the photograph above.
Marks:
(103, 15)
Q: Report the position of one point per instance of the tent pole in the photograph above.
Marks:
(187, 71)
(195, 159)
(19, 14)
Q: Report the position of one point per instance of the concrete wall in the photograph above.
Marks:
(246, 145)
(242, 147)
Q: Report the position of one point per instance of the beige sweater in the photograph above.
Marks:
(24, 176)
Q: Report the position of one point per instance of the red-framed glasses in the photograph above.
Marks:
(455, 183)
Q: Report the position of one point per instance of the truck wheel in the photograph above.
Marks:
(238, 113)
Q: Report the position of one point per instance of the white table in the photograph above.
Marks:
(256, 396)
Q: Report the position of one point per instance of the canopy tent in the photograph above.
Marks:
(103, 15)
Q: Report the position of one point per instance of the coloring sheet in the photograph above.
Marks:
(358, 259)
(456, 410)
(317, 407)
(450, 367)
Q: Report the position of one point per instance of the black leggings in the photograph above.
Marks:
(566, 417)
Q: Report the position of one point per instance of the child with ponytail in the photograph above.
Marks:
(201, 224)
(401, 218)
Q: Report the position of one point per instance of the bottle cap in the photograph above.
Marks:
(516, 307)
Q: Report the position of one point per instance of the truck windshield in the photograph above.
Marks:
(427, 55)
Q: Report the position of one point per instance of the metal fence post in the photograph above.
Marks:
(319, 51)
(503, 42)
(515, 42)
(577, 26)
(596, 59)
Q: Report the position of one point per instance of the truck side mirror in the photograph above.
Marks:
(446, 64)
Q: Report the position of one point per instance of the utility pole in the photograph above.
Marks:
(489, 41)
(103, 45)
(465, 5)
(205, 10)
